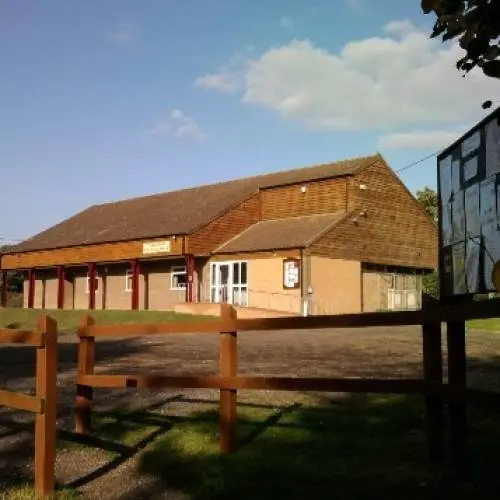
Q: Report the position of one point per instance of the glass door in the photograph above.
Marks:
(220, 282)
(228, 283)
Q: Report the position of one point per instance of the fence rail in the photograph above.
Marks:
(44, 403)
(430, 314)
(431, 387)
(381, 386)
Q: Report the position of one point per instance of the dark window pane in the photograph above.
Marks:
(243, 273)
(236, 273)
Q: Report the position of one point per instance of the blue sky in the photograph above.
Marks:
(108, 100)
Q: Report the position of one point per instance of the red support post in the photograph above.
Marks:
(3, 291)
(60, 287)
(135, 285)
(190, 277)
(31, 288)
(92, 283)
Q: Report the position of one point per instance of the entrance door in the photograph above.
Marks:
(220, 282)
(229, 283)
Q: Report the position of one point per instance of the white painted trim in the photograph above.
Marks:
(176, 271)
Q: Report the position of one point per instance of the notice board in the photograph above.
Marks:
(469, 209)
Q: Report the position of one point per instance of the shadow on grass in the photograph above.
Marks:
(123, 435)
(359, 447)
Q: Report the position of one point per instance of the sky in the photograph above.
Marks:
(101, 101)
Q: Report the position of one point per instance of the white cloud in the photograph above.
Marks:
(177, 114)
(229, 78)
(387, 83)
(179, 125)
(286, 22)
(401, 27)
(419, 139)
(125, 34)
(224, 81)
(161, 128)
(355, 4)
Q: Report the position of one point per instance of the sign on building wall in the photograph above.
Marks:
(291, 273)
(154, 247)
(469, 209)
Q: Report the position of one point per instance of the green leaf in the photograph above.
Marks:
(465, 39)
(477, 47)
(492, 68)
(492, 53)
(429, 5)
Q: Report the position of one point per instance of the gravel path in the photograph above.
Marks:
(370, 352)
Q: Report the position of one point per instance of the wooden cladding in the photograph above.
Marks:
(106, 252)
(225, 227)
(309, 198)
(386, 225)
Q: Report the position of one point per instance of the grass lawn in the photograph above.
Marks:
(491, 324)
(359, 447)
(68, 320)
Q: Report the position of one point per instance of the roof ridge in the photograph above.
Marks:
(244, 179)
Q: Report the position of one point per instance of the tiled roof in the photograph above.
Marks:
(293, 232)
(174, 212)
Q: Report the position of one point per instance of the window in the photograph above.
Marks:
(96, 283)
(178, 278)
(128, 281)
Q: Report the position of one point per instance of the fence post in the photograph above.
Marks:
(433, 376)
(86, 361)
(457, 379)
(228, 363)
(45, 424)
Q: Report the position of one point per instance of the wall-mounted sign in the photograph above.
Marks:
(291, 273)
(154, 247)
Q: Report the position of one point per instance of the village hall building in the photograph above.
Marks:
(342, 237)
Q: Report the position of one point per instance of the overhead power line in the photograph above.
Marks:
(417, 162)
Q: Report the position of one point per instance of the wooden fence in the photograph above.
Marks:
(443, 401)
(438, 396)
(44, 404)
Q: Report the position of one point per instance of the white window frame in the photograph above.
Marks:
(129, 280)
(177, 271)
(87, 282)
